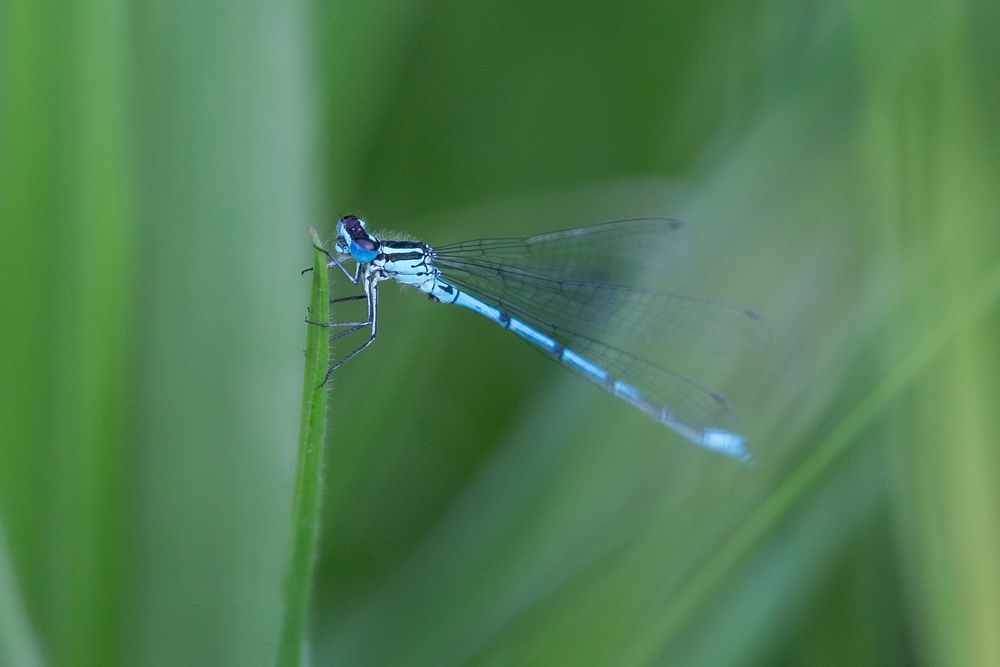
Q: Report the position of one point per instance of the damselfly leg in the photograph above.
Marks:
(371, 294)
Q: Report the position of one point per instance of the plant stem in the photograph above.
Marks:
(308, 475)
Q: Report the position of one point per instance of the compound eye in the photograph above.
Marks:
(364, 250)
(354, 226)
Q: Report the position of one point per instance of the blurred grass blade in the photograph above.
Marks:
(68, 259)
(789, 493)
(308, 470)
(18, 644)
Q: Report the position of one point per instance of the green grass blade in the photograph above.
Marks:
(18, 644)
(68, 261)
(308, 471)
(790, 492)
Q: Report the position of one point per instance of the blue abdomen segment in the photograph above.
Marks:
(715, 439)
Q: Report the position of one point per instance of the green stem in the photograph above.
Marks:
(308, 473)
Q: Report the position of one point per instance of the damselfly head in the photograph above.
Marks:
(353, 238)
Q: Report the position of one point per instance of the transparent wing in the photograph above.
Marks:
(610, 252)
(578, 285)
(687, 401)
(578, 280)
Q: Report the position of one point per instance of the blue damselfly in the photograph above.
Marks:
(561, 291)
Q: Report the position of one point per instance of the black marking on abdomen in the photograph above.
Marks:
(504, 320)
(444, 288)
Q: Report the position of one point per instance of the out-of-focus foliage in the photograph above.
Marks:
(159, 163)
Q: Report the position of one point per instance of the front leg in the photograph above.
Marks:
(336, 262)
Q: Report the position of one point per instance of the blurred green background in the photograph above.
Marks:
(837, 163)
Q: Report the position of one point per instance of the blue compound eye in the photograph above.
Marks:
(363, 250)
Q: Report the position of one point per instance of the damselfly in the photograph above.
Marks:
(560, 292)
